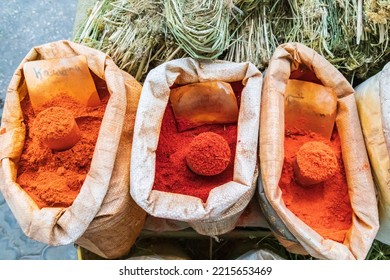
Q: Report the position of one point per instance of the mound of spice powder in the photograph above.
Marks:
(54, 178)
(172, 173)
(315, 162)
(57, 128)
(325, 206)
(208, 154)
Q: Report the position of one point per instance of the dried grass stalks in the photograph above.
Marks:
(132, 32)
(339, 30)
(377, 12)
(256, 33)
(201, 27)
(141, 34)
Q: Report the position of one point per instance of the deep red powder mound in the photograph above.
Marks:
(208, 154)
(172, 173)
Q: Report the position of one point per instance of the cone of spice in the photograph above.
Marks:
(313, 180)
(315, 162)
(208, 154)
(56, 127)
(197, 142)
(58, 150)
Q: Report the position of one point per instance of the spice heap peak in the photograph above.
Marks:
(315, 162)
(57, 128)
(209, 154)
(198, 136)
(63, 112)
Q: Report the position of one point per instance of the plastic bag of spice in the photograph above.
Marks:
(161, 181)
(333, 219)
(372, 97)
(81, 194)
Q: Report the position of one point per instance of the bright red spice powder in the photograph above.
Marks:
(208, 154)
(172, 173)
(326, 206)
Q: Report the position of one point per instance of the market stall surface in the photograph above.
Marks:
(25, 24)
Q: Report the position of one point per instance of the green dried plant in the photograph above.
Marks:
(140, 35)
(200, 27)
(132, 33)
(256, 34)
(341, 32)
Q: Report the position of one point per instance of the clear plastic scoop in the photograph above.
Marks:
(309, 107)
(47, 79)
(204, 103)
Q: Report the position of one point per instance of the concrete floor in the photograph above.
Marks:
(23, 25)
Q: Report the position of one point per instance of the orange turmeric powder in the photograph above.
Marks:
(325, 206)
(54, 178)
(57, 128)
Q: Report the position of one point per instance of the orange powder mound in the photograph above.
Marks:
(54, 178)
(314, 163)
(208, 154)
(325, 206)
(60, 191)
(55, 123)
(57, 128)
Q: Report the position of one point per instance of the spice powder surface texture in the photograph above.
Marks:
(172, 172)
(325, 206)
(54, 178)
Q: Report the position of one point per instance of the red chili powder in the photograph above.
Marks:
(208, 154)
(172, 173)
(326, 206)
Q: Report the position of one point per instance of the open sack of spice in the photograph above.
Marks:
(194, 154)
(372, 98)
(65, 149)
(317, 189)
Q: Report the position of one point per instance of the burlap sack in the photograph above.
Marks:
(225, 203)
(292, 232)
(371, 96)
(103, 218)
(251, 217)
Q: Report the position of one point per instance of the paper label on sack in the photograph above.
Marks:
(47, 79)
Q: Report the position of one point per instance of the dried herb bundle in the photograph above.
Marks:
(201, 27)
(132, 32)
(256, 33)
(139, 35)
(340, 32)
